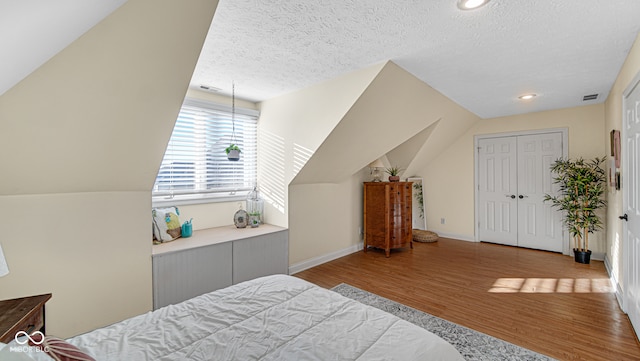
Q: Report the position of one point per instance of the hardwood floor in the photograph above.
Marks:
(539, 300)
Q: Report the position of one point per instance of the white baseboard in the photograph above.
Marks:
(301, 266)
(459, 237)
(316, 261)
(614, 283)
(596, 256)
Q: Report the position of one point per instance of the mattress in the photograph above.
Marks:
(270, 318)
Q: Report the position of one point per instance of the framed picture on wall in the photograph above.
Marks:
(615, 146)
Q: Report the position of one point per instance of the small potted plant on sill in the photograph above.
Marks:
(254, 219)
(393, 173)
(233, 152)
(582, 184)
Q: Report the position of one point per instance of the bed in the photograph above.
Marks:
(270, 318)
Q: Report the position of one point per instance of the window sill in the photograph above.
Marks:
(162, 201)
(211, 236)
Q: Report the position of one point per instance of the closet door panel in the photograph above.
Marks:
(539, 225)
(497, 187)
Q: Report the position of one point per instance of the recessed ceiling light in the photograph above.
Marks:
(471, 4)
(527, 96)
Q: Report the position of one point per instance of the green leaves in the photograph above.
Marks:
(393, 171)
(581, 186)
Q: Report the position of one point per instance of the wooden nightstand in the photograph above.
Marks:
(22, 314)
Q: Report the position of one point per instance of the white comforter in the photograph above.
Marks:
(270, 318)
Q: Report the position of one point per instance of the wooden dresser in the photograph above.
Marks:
(22, 314)
(387, 215)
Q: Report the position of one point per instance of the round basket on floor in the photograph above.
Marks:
(420, 235)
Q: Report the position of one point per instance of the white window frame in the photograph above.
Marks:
(198, 192)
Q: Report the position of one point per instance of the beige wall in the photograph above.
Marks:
(90, 250)
(291, 129)
(321, 165)
(449, 178)
(325, 218)
(613, 120)
(83, 137)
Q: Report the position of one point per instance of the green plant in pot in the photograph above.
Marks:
(254, 219)
(233, 152)
(393, 173)
(582, 184)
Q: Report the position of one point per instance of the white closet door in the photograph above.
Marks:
(513, 177)
(497, 187)
(539, 225)
(631, 196)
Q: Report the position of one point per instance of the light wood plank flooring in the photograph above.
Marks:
(539, 300)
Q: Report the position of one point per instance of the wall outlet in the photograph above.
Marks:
(441, 220)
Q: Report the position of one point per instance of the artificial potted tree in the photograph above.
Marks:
(393, 173)
(581, 186)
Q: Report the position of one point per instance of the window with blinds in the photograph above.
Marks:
(195, 167)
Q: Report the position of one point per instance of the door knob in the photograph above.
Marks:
(521, 196)
(625, 217)
(513, 196)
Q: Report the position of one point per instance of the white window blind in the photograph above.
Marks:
(195, 165)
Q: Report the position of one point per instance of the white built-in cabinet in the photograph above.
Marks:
(216, 258)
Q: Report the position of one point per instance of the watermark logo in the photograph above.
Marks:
(21, 341)
(22, 338)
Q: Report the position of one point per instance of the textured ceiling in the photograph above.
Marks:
(482, 59)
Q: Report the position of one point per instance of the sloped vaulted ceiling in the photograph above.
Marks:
(390, 112)
(33, 31)
(98, 115)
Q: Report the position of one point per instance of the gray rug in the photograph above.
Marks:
(473, 345)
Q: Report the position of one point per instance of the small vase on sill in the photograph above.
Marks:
(254, 220)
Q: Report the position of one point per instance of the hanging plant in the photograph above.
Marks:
(233, 152)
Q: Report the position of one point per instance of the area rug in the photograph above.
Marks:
(473, 345)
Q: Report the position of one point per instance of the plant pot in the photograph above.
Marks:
(582, 257)
(233, 155)
(394, 178)
(254, 221)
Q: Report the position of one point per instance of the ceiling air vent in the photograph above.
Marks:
(590, 97)
(209, 88)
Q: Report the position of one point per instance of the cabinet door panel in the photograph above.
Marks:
(260, 256)
(179, 276)
(376, 214)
